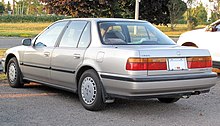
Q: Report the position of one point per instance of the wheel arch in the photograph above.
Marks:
(189, 44)
(9, 56)
(81, 71)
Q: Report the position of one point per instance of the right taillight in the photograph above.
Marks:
(199, 62)
(146, 64)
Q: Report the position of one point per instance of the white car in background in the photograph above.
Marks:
(206, 38)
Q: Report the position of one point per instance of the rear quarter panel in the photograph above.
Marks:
(108, 59)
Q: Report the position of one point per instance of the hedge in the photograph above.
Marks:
(28, 18)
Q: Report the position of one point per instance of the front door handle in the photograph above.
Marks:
(76, 56)
(47, 54)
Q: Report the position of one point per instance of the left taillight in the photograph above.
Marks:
(199, 62)
(138, 64)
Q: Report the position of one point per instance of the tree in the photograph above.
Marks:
(191, 20)
(176, 8)
(2, 8)
(200, 14)
(9, 6)
(155, 11)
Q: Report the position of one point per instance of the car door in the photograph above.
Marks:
(68, 55)
(36, 60)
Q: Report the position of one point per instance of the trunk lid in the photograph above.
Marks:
(176, 57)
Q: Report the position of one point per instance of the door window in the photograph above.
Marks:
(85, 38)
(72, 34)
(50, 36)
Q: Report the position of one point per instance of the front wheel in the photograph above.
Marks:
(14, 74)
(90, 91)
(168, 100)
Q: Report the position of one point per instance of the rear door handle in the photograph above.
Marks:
(47, 54)
(76, 56)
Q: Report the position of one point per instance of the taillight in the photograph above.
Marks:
(146, 64)
(199, 62)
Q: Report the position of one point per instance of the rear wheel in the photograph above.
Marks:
(168, 100)
(14, 74)
(90, 91)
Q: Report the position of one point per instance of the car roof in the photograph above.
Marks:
(106, 19)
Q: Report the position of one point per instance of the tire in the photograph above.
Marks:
(90, 91)
(14, 75)
(168, 100)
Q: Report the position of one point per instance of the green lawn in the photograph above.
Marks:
(178, 30)
(21, 29)
(32, 29)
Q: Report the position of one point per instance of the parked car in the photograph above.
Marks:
(102, 59)
(206, 38)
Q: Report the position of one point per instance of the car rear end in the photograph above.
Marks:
(162, 72)
(149, 64)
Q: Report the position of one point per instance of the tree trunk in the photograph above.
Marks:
(13, 7)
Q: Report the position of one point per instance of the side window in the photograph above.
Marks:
(50, 36)
(72, 34)
(86, 37)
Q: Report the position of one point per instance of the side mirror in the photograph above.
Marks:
(26, 42)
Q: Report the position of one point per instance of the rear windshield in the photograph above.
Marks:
(132, 33)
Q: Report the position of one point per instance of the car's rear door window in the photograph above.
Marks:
(72, 34)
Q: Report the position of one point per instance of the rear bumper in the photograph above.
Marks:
(158, 86)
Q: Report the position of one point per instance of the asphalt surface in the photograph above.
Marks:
(8, 42)
(36, 105)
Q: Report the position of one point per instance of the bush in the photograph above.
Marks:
(28, 18)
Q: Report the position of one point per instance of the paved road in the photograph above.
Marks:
(8, 42)
(37, 105)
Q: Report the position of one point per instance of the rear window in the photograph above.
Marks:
(132, 33)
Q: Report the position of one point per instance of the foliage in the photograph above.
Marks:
(191, 20)
(8, 6)
(215, 16)
(176, 9)
(195, 16)
(28, 18)
(2, 8)
(200, 14)
(155, 11)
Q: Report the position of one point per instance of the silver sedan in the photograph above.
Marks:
(102, 59)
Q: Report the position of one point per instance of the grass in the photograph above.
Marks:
(2, 52)
(32, 29)
(178, 30)
(21, 29)
(2, 76)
